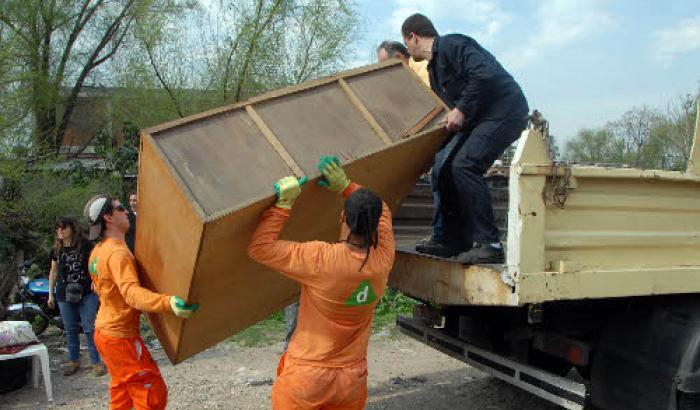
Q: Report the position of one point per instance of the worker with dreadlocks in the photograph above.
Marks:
(325, 365)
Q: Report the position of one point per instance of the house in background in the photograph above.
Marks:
(92, 114)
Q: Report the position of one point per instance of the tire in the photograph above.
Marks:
(688, 401)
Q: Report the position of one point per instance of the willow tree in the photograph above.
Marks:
(56, 47)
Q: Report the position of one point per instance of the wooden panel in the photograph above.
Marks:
(165, 212)
(319, 122)
(363, 110)
(394, 98)
(272, 140)
(206, 115)
(222, 165)
(236, 292)
(220, 160)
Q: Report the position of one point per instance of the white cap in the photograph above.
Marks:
(94, 209)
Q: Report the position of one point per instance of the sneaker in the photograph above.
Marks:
(482, 253)
(99, 369)
(70, 368)
(435, 248)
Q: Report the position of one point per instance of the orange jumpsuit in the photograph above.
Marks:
(325, 366)
(136, 380)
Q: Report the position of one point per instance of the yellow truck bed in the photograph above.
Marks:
(576, 232)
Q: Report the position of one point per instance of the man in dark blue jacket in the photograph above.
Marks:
(487, 114)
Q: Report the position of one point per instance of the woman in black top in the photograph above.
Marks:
(73, 291)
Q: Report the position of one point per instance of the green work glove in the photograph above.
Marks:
(180, 308)
(287, 190)
(333, 174)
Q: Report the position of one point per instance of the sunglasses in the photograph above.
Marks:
(119, 208)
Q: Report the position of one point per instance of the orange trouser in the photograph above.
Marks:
(136, 380)
(303, 387)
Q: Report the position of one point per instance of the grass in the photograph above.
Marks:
(271, 330)
(267, 332)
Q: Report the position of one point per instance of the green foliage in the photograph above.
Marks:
(642, 138)
(392, 304)
(594, 146)
(32, 197)
(266, 332)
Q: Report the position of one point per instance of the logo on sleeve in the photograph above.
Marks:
(363, 295)
(93, 267)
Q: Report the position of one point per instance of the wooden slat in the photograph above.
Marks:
(272, 95)
(276, 144)
(365, 113)
(423, 122)
(426, 87)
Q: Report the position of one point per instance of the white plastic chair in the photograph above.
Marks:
(40, 358)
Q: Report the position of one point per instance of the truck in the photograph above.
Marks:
(598, 303)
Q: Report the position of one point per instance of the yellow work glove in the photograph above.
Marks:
(180, 308)
(287, 190)
(333, 174)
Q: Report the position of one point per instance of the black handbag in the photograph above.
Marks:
(74, 292)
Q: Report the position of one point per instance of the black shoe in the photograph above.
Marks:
(435, 248)
(482, 253)
(424, 240)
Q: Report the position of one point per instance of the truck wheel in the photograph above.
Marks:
(688, 401)
(648, 353)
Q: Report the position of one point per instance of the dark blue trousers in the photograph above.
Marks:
(463, 210)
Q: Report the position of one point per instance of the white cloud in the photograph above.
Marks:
(683, 37)
(561, 23)
(485, 16)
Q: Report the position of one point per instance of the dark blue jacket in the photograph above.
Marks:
(468, 77)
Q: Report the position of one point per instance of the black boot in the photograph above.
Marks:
(483, 253)
(435, 248)
(424, 240)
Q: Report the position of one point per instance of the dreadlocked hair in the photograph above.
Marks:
(362, 211)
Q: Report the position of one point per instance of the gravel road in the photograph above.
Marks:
(403, 375)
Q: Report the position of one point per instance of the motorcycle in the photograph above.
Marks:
(32, 304)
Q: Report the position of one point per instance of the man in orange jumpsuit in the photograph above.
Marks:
(136, 381)
(325, 366)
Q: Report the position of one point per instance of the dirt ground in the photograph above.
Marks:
(403, 375)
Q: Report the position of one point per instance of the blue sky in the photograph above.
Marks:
(581, 62)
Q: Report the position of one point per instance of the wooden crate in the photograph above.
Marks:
(205, 179)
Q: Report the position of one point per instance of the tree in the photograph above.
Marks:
(635, 129)
(595, 146)
(675, 132)
(233, 51)
(55, 44)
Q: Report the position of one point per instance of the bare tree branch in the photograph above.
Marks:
(92, 62)
(161, 79)
(253, 44)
